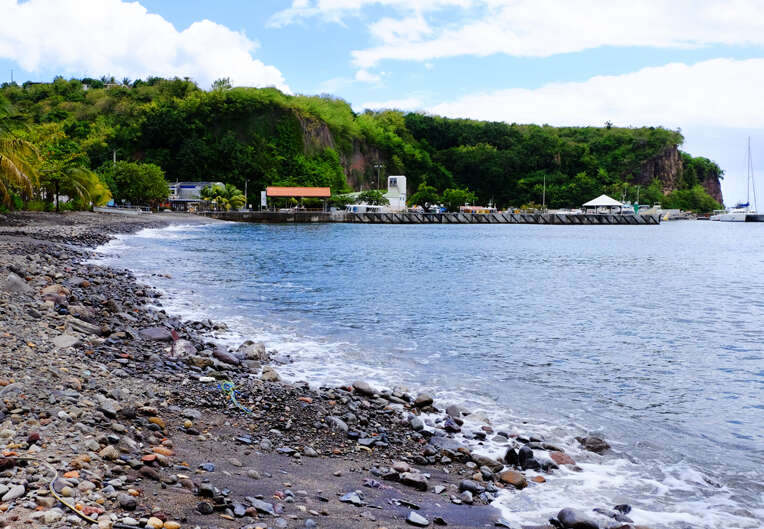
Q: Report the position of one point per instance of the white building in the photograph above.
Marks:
(186, 196)
(189, 190)
(396, 192)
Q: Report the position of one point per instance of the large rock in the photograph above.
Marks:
(417, 520)
(109, 452)
(575, 519)
(261, 506)
(561, 458)
(514, 478)
(15, 285)
(471, 486)
(126, 501)
(83, 313)
(488, 462)
(454, 411)
(414, 479)
(158, 334)
(83, 326)
(353, 498)
(269, 375)
(250, 350)
(593, 444)
(63, 341)
(56, 290)
(416, 423)
(183, 348)
(446, 443)
(336, 423)
(225, 357)
(199, 361)
(526, 460)
(15, 491)
(363, 388)
(422, 400)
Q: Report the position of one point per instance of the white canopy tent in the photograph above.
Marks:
(603, 201)
(604, 204)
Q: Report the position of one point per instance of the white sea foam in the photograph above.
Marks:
(670, 496)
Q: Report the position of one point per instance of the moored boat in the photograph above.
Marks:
(743, 212)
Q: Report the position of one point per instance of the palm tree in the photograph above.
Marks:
(225, 197)
(16, 155)
(68, 177)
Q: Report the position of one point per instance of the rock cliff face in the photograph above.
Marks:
(714, 188)
(316, 135)
(358, 164)
(667, 168)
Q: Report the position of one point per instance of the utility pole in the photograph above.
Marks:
(246, 200)
(543, 196)
(114, 157)
(378, 165)
(11, 75)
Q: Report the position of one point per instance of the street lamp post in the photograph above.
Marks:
(378, 165)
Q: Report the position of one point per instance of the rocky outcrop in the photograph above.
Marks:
(316, 135)
(359, 165)
(714, 188)
(667, 167)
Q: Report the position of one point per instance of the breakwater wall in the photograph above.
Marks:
(278, 217)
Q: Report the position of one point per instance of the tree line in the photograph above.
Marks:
(63, 136)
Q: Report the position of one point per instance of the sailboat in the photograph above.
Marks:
(743, 212)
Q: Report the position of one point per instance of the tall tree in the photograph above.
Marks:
(17, 156)
(137, 183)
(64, 168)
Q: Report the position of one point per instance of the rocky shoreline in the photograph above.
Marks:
(149, 423)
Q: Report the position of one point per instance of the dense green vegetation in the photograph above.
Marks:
(251, 138)
(372, 197)
(135, 183)
(224, 197)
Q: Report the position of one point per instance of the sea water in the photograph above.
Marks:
(651, 337)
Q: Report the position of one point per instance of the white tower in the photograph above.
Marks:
(396, 192)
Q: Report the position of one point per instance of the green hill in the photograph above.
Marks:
(266, 137)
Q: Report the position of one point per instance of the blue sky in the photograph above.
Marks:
(697, 65)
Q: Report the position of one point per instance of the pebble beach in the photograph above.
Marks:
(148, 422)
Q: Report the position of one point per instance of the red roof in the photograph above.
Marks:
(299, 192)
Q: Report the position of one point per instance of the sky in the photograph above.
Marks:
(693, 65)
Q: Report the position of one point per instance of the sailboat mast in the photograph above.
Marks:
(751, 181)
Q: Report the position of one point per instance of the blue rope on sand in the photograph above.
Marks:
(229, 389)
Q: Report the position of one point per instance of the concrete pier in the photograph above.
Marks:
(278, 217)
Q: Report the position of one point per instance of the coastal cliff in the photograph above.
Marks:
(673, 171)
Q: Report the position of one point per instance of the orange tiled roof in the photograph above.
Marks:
(299, 192)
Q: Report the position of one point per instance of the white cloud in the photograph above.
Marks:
(365, 76)
(122, 39)
(428, 29)
(337, 10)
(392, 31)
(410, 103)
(719, 92)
